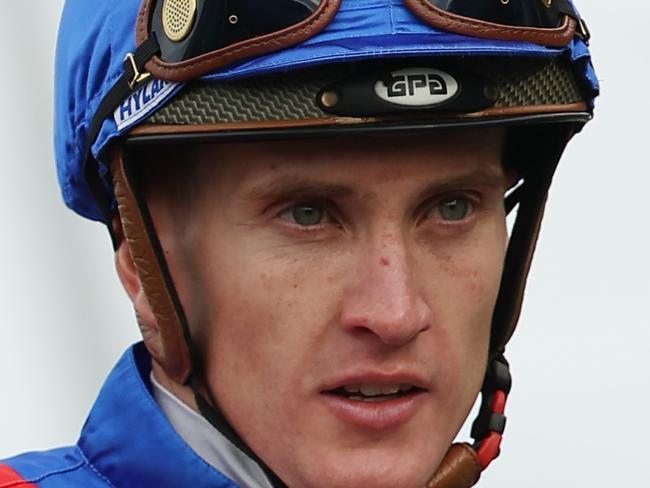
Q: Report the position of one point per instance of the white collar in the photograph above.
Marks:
(208, 442)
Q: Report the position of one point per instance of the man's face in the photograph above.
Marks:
(341, 293)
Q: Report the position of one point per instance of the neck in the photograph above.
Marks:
(179, 406)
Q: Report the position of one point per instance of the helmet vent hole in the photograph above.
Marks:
(178, 18)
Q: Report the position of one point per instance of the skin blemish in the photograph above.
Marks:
(266, 282)
(384, 261)
(449, 265)
(469, 276)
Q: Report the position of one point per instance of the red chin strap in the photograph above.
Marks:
(490, 424)
(490, 447)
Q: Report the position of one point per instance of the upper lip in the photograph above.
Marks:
(376, 377)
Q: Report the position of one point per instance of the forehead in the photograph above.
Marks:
(353, 161)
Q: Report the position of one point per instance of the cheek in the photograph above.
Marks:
(264, 333)
(464, 293)
(265, 315)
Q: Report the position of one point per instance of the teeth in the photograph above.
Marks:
(390, 389)
(376, 399)
(369, 390)
(352, 389)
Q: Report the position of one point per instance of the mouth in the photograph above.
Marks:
(375, 393)
(375, 404)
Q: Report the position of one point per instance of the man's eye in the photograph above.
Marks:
(305, 214)
(453, 209)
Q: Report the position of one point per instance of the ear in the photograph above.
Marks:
(128, 274)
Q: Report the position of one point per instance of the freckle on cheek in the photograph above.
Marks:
(450, 267)
(264, 279)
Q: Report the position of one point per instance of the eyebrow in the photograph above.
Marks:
(291, 188)
(482, 177)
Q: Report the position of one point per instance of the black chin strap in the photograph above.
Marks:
(218, 421)
(537, 169)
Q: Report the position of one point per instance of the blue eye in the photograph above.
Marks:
(305, 214)
(454, 209)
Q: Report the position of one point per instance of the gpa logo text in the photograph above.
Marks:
(417, 87)
(400, 86)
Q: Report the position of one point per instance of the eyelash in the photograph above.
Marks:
(330, 214)
(473, 200)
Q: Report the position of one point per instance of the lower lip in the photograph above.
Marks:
(385, 415)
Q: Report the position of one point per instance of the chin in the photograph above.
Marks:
(405, 469)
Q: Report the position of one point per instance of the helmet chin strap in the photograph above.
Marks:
(181, 365)
(215, 416)
(463, 463)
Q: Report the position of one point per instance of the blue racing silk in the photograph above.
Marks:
(126, 442)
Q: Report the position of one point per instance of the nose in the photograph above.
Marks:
(382, 298)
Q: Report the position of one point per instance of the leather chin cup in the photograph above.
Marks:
(460, 468)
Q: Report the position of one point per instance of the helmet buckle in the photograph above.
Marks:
(138, 77)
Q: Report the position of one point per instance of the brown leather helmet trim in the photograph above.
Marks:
(460, 468)
(528, 110)
(196, 67)
(162, 129)
(175, 358)
(559, 37)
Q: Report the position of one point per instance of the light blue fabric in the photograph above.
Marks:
(96, 36)
(127, 442)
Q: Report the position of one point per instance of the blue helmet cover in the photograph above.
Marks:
(95, 37)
